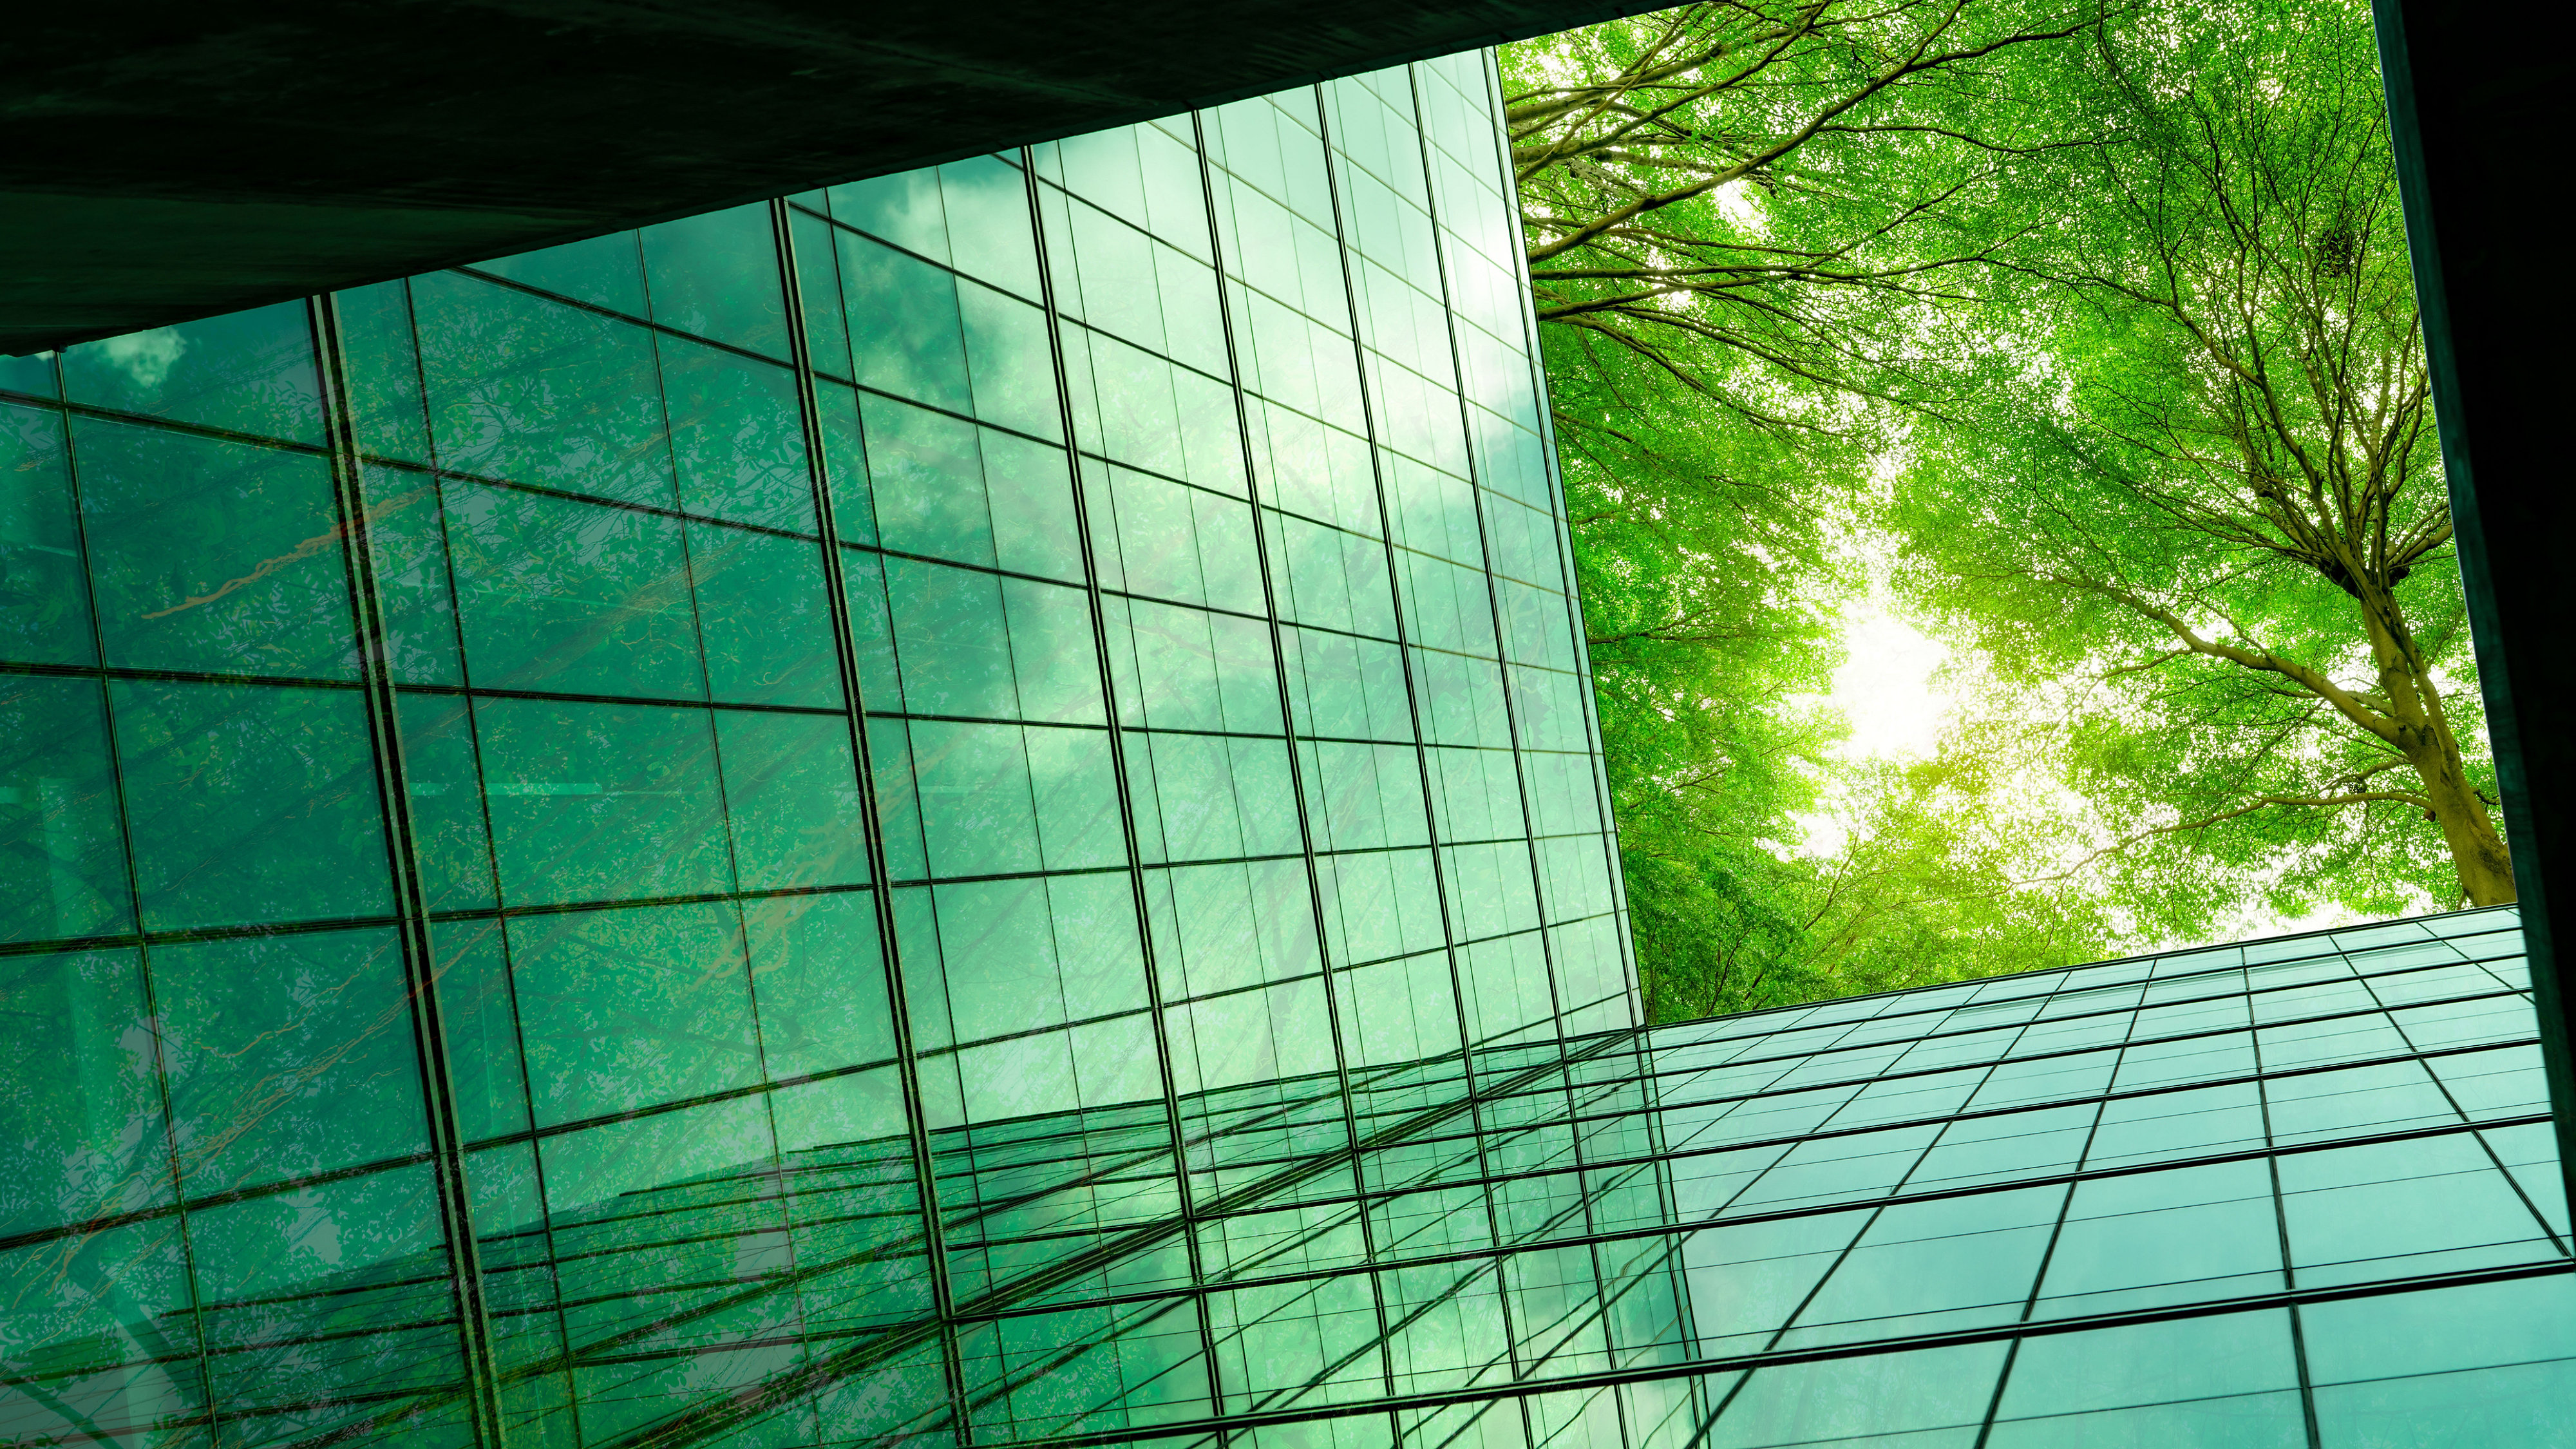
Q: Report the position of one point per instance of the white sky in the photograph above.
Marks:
(1885, 689)
(1885, 686)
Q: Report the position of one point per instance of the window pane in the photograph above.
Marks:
(80, 1118)
(761, 611)
(594, 802)
(245, 372)
(716, 275)
(214, 555)
(571, 596)
(44, 600)
(820, 979)
(736, 437)
(288, 1055)
(903, 325)
(626, 1008)
(536, 392)
(62, 862)
(792, 795)
(250, 804)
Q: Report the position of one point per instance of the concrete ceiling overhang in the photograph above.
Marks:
(164, 161)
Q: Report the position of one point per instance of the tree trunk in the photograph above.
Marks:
(2424, 736)
(2477, 851)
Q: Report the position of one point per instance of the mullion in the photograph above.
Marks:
(1396, 614)
(438, 1090)
(1522, 1388)
(2484, 1145)
(176, 676)
(872, 828)
(1139, 895)
(2054, 1104)
(1789, 1320)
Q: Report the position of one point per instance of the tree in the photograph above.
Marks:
(1708, 598)
(2104, 312)
(1727, 205)
(1765, 179)
(2209, 473)
(1712, 586)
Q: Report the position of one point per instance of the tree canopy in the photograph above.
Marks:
(2085, 334)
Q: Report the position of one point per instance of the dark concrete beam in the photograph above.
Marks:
(2478, 95)
(161, 161)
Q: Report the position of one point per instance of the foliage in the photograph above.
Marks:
(2201, 465)
(1757, 179)
(2103, 315)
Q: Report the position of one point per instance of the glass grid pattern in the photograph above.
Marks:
(571, 825)
(478, 979)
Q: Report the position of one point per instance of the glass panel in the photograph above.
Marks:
(558, 594)
(536, 392)
(762, 612)
(716, 275)
(904, 333)
(792, 796)
(736, 437)
(481, 1017)
(2229, 1361)
(605, 271)
(33, 373)
(80, 1123)
(245, 372)
(44, 600)
(214, 555)
(249, 804)
(820, 978)
(926, 474)
(2489, 1364)
(627, 1008)
(288, 1056)
(988, 223)
(903, 208)
(594, 802)
(62, 858)
(1881, 1394)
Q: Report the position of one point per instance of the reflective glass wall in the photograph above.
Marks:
(747, 830)
(961, 811)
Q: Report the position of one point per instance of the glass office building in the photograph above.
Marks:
(963, 809)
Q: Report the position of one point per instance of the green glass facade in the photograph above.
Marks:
(963, 810)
